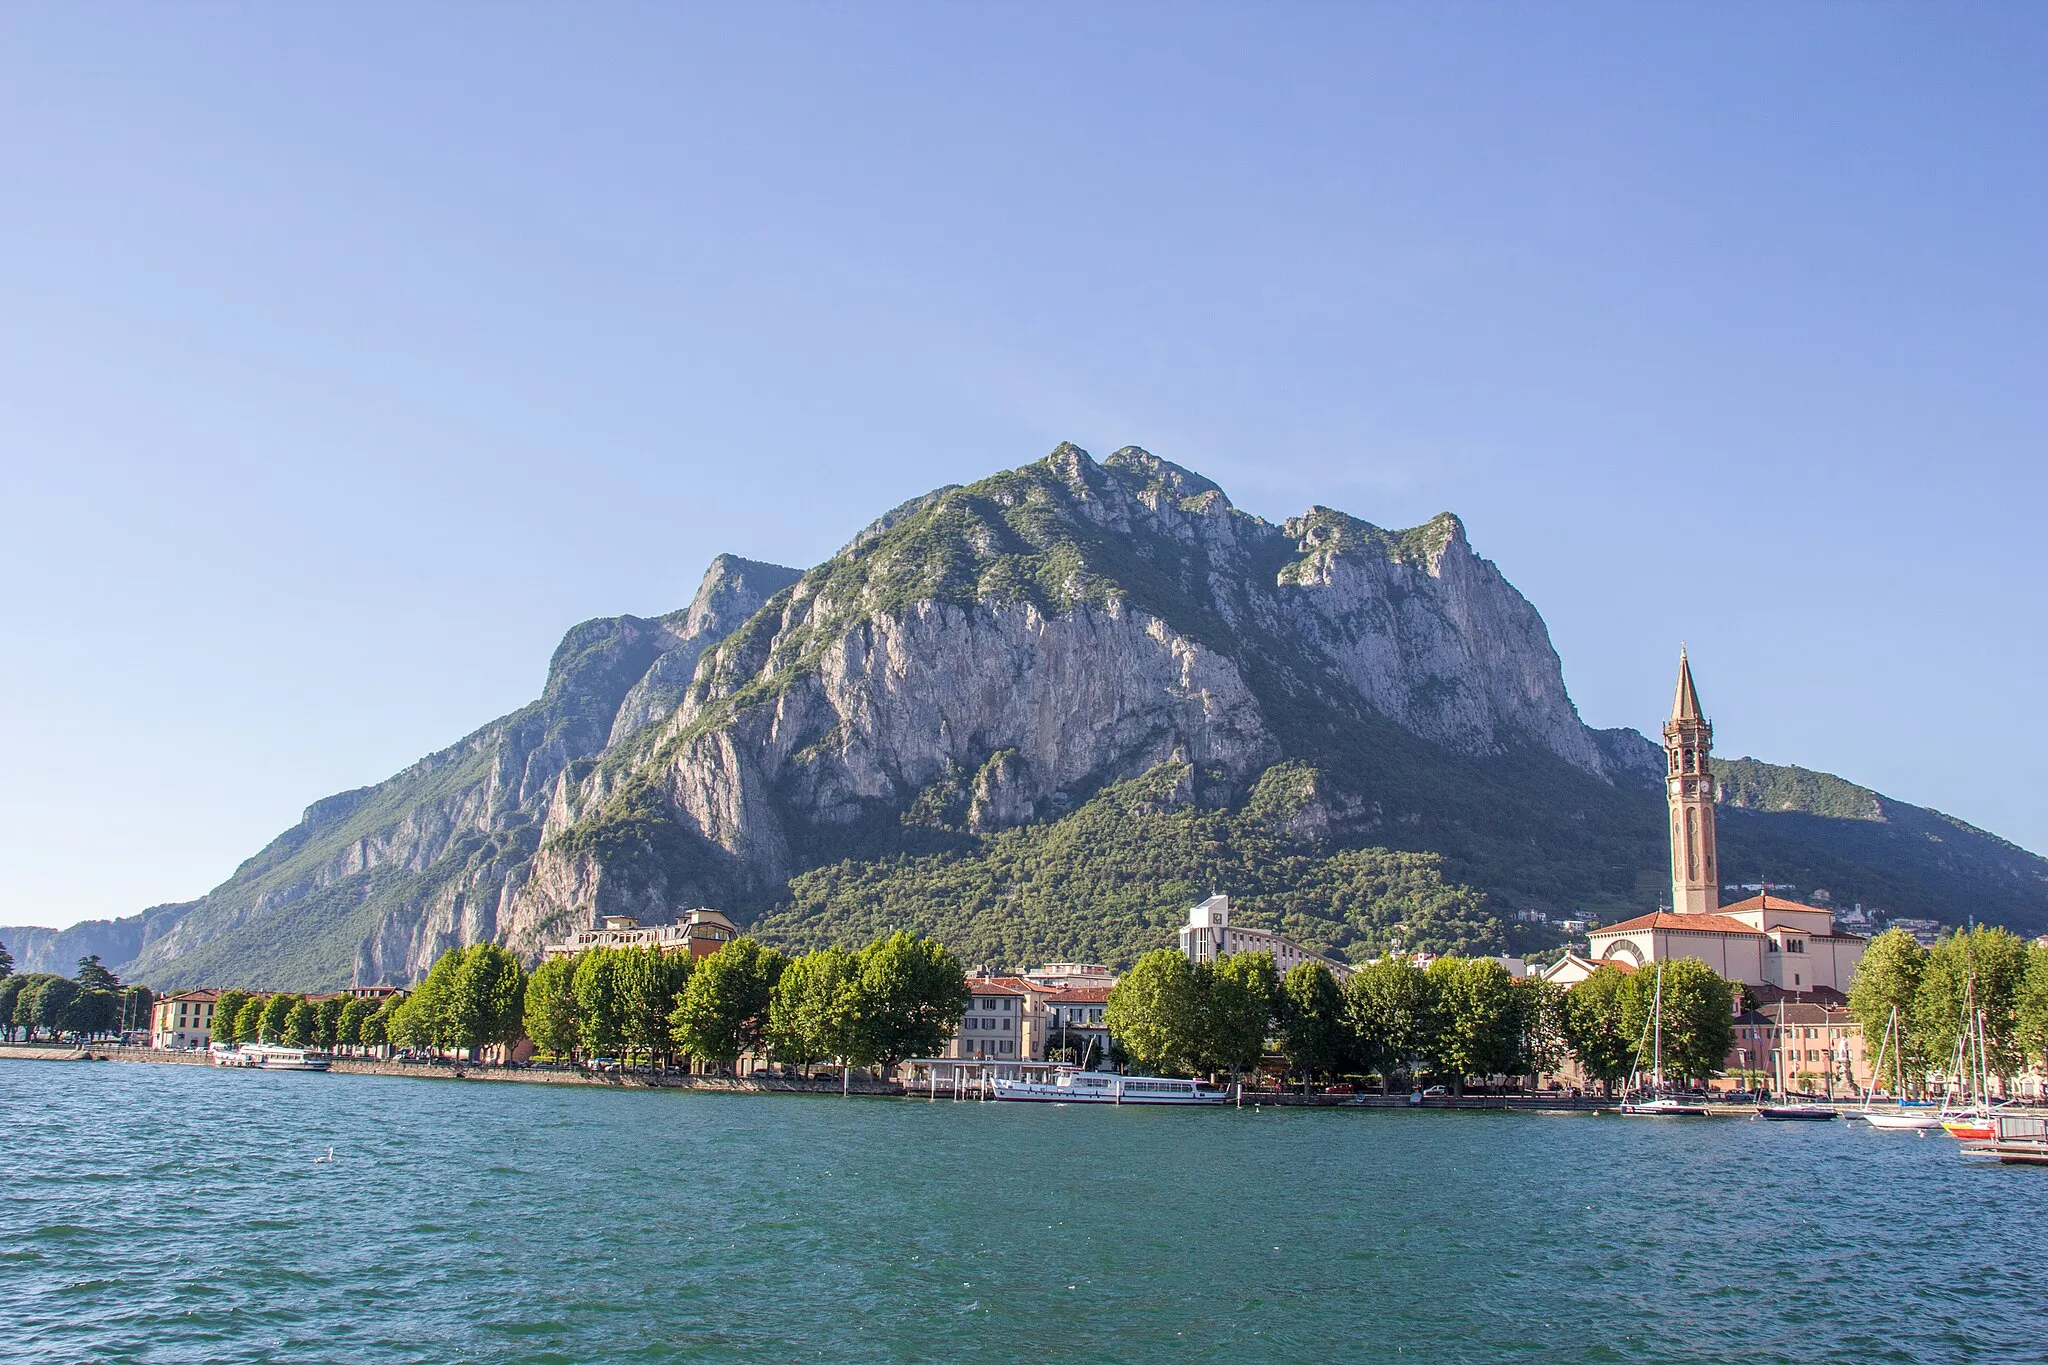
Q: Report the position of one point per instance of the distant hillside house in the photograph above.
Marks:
(700, 933)
(1209, 934)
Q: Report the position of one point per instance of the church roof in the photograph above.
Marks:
(1686, 705)
(1698, 924)
(1769, 902)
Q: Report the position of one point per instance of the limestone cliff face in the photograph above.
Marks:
(1022, 641)
(980, 657)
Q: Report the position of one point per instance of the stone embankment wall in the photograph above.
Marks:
(669, 1080)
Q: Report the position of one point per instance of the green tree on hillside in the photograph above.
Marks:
(1888, 978)
(724, 1007)
(1698, 1017)
(1314, 1034)
(550, 1018)
(1391, 1006)
(912, 993)
(1596, 1026)
(1155, 1012)
(91, 976)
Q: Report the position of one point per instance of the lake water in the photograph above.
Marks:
(169, 1213)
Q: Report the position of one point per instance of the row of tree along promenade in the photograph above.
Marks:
(614, 1013)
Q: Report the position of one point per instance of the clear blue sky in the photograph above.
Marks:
(349, 354)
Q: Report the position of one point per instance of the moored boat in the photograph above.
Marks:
(1662, 1107)
(1904, 1120)
(270, 1057)
(1103, 1087)
(1796, 1113)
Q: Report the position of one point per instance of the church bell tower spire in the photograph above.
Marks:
(1689, 788)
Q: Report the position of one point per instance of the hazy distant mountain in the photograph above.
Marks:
(955, 721)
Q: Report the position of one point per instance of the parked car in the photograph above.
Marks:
(1340, 1089)
(1435, 1092)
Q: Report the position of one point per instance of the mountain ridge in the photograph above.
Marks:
(989, 659)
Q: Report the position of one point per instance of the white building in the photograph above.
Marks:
(1209, 934)
(1763, 942)
(700, 933)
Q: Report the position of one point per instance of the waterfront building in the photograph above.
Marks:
(1810, 1035)
(700, 933)
(183, 1020)
(1003, 1021)
(1078, 1011)
(1209, 934)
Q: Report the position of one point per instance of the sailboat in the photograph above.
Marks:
(1793, 1113)
(1974, 1122)
(1659, 1105)
(1891, 1120)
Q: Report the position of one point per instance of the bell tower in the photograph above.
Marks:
(1689, 788)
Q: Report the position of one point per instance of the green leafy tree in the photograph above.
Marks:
(377, 1026)
(651, 985)
(1314, 1034)
(485, 998)
(1480, 1019)
(276, 1010)
(1543, 1025)
(92, 976)
(301, 1021)
(327, 1021)
(1987, 964)
(1155, 1012)
(10, 991)
(348, 1026)
(600, 1002)
(44, 1005)
(1596, 1026)
(911, 993)
(1392, 1008)
(226, 1011)
(1698, 1017)
(249, 1022)
(723, 1011)
(92, 1011)
(1237, 994)
(2033, 1007)
(814, 1011)
(1888, 978)
(550, 1016)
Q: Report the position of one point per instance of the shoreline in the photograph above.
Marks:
(1555, 1106)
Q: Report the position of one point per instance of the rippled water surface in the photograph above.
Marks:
(170, 1213)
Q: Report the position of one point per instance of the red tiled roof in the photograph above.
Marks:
(992, 985)
(1081, 995)
(199, 997)
(1664, 919)
(1776, 903)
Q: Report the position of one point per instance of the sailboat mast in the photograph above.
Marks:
(1657, 1022)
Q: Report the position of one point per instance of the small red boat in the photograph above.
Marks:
(1971, 1129)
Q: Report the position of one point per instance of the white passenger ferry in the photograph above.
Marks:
(1102, 1087)
(267, 1057)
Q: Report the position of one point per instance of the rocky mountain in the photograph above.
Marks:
(1002, 658)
